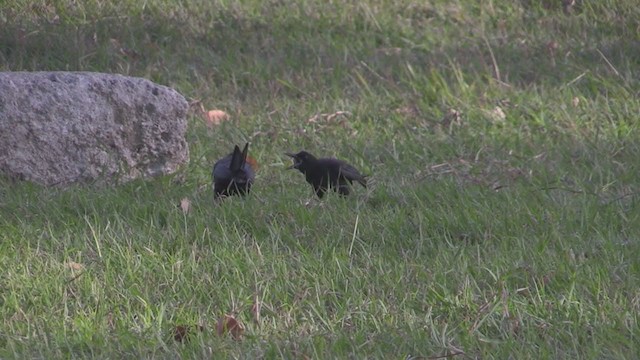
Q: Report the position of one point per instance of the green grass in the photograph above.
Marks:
(500, 233)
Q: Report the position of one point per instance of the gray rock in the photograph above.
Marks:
(59, 128)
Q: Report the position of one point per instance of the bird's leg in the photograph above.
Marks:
(343, 187)
(219, 198)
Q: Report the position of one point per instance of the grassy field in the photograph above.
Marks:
(503, 220)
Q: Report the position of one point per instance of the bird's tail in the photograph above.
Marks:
(238, 158)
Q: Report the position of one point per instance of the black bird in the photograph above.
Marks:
(234, 173)
(326, 173)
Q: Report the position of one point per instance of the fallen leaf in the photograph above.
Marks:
(497, 114)
(215, 117)
(523, 291)
(75, 266)
(408, 111)
(255, 309)
(181, 333)
(114, 42)
(513, 324)
(230, 324)
(567, 6)
(332, 117)
(185, 205)
(452, 116)
(576, 101)
(328, 117)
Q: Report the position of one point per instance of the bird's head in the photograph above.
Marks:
(300, 160)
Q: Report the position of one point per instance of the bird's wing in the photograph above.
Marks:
(352, 174)
(221, 168)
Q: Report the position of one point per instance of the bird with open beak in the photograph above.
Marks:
(326, 173)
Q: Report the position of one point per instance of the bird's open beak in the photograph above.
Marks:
(294, 161)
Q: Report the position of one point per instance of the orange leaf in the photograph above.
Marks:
(230, 324)
(75, 266)
(215, 117)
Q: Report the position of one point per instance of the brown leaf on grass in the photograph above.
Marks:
(117, 47)
(110, 320)
(410, 111)
(497, 115)
(567, 6)
(512, 324)
(255, 309)
(185, 205)
(328, 118)
(229, 324)
(523, 291)
(181, 333)
(452, 117)
(216, 117)
(332, 117)
(575, 101)
(74, 266)
(272, 134)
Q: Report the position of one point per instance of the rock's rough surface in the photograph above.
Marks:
(58, 128)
